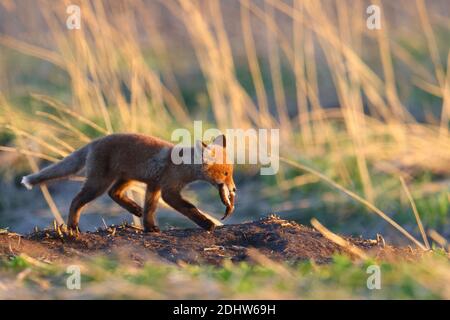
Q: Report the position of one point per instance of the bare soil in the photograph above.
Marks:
(277, 239)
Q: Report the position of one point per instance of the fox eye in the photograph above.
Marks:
(225, 173)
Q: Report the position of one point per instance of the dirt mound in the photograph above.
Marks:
(275, 238)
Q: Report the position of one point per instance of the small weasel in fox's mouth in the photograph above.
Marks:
(227, 198)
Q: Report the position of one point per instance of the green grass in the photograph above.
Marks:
(113, 277)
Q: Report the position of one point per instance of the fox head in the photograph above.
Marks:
(217, 171)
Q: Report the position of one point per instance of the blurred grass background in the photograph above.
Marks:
(113, 277)
(363, 107)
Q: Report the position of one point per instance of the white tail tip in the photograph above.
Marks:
(26, 183)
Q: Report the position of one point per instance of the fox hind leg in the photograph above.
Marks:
(117, 193)
(152, 196)
(91, 190)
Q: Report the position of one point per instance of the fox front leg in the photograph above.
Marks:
(152, 196)
(175, 200)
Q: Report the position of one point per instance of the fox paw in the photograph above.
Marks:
(72, 230)
(208, 225)
(152, 229)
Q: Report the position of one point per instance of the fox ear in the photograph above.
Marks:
(220, 141)
(200, 145)
(207, 153)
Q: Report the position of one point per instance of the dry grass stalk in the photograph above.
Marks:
(338, 240)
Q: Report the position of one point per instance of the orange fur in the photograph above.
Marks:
(114, 161)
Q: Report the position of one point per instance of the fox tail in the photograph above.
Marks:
(70, 165)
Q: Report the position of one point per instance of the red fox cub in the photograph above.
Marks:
(114, 161)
